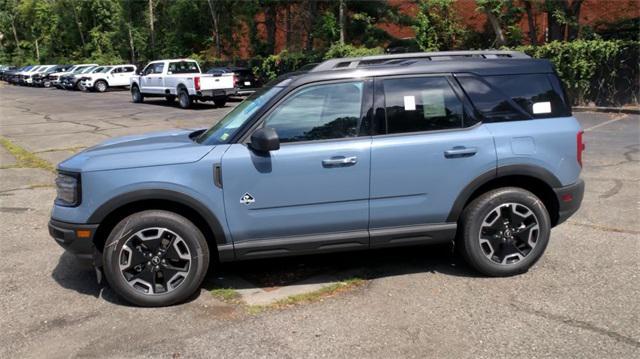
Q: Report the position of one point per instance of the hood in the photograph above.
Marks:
(151, 149)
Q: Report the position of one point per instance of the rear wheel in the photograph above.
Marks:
(504, 232)
(136, 95)
(184, 99)
(155, 258)
(220, 101)
(100, 86)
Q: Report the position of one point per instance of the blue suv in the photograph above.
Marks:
(478, 148)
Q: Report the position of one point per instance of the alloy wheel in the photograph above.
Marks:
(155, 261)
(509, 233)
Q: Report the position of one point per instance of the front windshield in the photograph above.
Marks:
(222, 131)
(81, 69)
(102, 69)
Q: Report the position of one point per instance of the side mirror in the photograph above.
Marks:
(264, 140)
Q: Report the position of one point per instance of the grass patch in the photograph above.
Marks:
(328, 291)
(225, 294)
(25, 158)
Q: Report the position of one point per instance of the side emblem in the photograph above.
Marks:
(247, 199)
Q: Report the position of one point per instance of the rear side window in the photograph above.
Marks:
(515, 97)
(421, 104)
(184, 67)
(533, 93)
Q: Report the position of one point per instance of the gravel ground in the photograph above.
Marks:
(580, 300)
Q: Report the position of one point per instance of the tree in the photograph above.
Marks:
(436, 26)
(563, 19)
(504, 17)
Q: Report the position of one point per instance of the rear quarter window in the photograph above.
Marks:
(515, 97)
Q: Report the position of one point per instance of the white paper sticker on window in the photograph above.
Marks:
(409, 103)
(542, 107)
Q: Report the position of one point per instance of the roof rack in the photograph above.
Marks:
(355, 62)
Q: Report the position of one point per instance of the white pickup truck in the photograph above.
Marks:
(183, 79)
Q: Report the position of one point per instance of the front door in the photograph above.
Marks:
(313, 193)
(151, 79)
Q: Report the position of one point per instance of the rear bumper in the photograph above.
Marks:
(66, 235)
(217, 93)
(569, 200)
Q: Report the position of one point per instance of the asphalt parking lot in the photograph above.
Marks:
(582, 299)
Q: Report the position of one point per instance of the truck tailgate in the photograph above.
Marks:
(214, 82)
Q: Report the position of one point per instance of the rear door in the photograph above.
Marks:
(427, 149)
(313, 193)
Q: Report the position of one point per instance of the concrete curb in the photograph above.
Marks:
(629, 110)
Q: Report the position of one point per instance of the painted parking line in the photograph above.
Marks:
(622, 117)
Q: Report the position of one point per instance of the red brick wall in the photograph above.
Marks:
(592, 12)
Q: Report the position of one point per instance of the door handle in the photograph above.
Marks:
(340, 161)
(460, 151)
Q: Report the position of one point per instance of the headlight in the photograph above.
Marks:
(68, 189)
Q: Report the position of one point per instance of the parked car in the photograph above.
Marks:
(109, 76)
(182, 78)
(4, 70)
(246, 82)
(56, 77)
(21, 76)
(479, 147)
(71, 81)
(28, 78)
(43, 79)
(12, 76)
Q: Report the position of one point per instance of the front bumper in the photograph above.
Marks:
(569, 200)
(77, 239)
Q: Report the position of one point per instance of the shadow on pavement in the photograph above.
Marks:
(278, 272)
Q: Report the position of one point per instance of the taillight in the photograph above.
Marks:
(235, 80)
(196, 83)
(580, 147)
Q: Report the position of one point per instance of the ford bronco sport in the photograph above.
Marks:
(476, 147)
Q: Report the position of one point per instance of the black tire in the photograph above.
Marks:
(220, 101)
(78, 86)
(100, 86)
(130, 231)
(136, 95)
(170, 99)
(46, 84)
(506, 247)
(184, 100)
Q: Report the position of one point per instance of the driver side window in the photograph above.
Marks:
(319, 112)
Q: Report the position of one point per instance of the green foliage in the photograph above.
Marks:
(274, 65)
(598, 71)
(508, 13)
(436, 26)
(345, 50)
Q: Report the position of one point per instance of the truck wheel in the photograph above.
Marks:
(220, 101)
(155, 258)
(78, 86)
(504, 232)
(46, 84)
(170, 98)
(184, 99)
(136, 95)
(100, 86)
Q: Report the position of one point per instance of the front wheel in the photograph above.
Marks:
(155, 258)
(100, 86)
(136, 95)
(504, 232)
